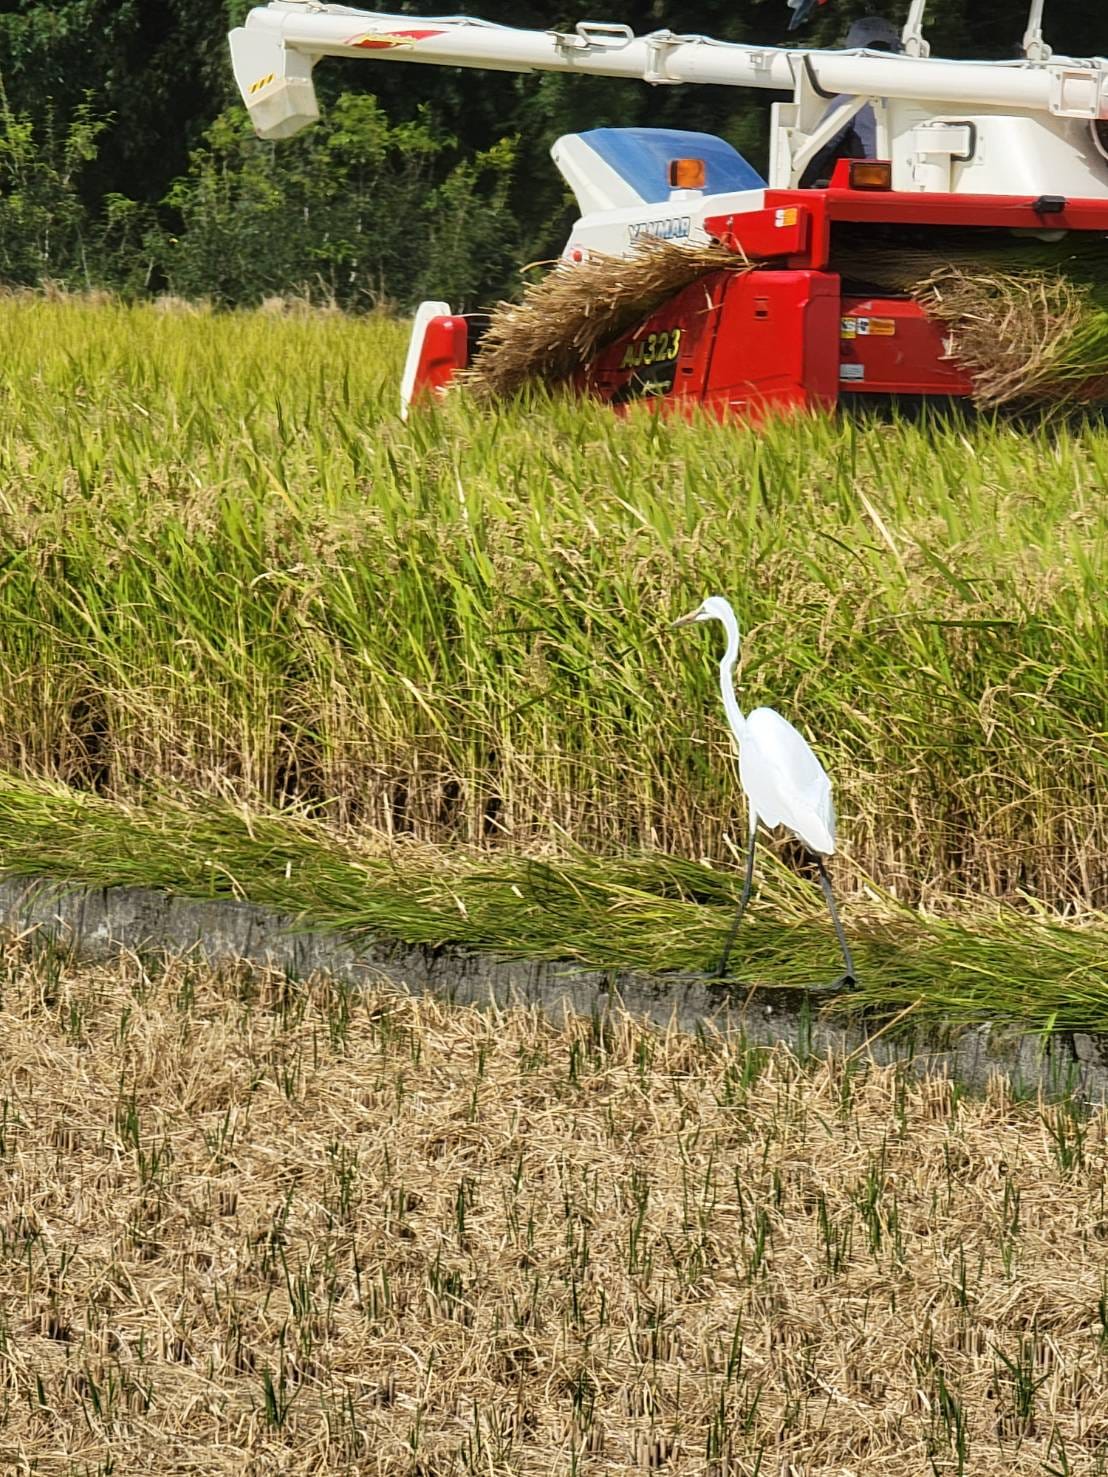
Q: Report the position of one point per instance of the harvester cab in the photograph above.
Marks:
(619, 175)
(877, 151)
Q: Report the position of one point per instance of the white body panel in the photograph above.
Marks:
(1010, 154)
(424, 313)
(595, 183)
(681, 218)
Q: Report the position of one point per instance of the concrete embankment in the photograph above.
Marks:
(99, 922)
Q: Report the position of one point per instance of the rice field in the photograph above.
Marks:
(258, 639)
(250, 1225)
(239, 599)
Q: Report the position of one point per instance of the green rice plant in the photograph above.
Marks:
(417, 679)
(1018, 1378)
(229, 571)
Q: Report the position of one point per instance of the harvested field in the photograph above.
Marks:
(249, 1225)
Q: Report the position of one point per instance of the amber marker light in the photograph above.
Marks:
(686, 174)
(871, 174)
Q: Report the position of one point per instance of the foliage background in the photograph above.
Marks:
(127, 162)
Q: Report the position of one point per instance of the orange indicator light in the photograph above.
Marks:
(686, 174)
(871, 174)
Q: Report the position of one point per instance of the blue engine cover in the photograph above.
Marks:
(641, 156)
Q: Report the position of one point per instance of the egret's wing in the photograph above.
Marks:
(786, 783)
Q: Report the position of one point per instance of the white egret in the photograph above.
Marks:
(784, 782)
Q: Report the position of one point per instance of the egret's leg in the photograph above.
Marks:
(849, 978)
(721, 968)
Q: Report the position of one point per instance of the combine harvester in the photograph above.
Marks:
(968, 158)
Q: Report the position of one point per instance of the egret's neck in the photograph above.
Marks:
(727, 680)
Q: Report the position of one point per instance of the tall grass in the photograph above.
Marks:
(230, 572)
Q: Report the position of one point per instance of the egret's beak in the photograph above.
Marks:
(685, 620)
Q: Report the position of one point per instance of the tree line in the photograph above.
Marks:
(128, 162)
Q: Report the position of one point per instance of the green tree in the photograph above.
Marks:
(357, 210)
(126, 157)
(44, 224)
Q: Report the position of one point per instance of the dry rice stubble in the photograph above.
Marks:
(242, 1224)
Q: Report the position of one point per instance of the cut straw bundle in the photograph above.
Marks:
(1029, 321)
(579, 307)
(1028, 338)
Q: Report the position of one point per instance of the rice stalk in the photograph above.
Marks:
(648, 913)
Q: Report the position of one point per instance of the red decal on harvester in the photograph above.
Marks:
(386, 40)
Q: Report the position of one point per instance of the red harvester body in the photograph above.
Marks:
(786, 335)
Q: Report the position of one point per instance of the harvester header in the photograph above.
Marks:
(275, 52)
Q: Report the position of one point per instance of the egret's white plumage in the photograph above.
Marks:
(784, 782)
